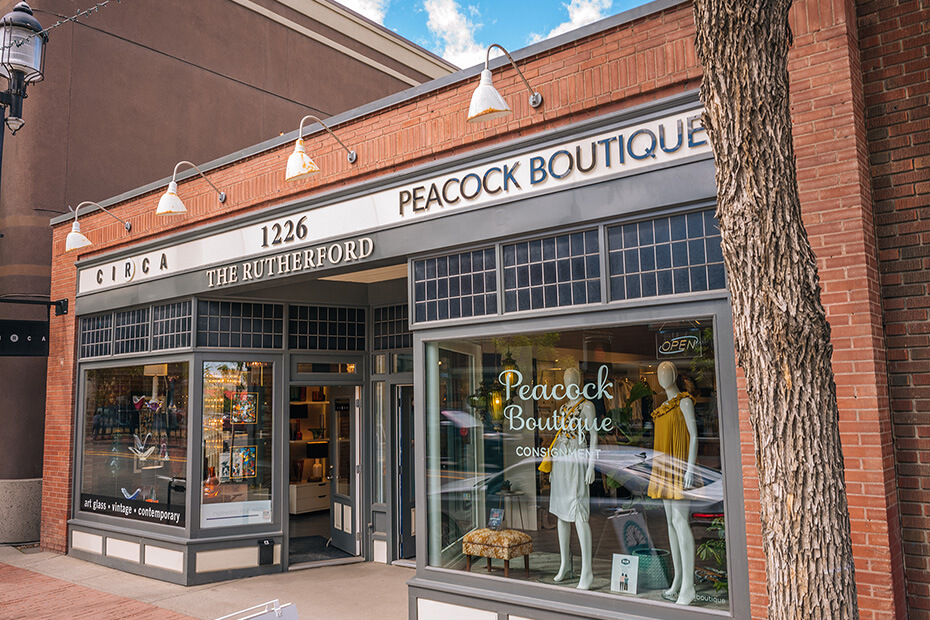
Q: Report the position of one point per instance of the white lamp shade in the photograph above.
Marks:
(75, 239)
(22, 52)
(486, 103)
(299, 164)
(170, 204)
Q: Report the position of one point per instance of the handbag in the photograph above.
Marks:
(546, 465)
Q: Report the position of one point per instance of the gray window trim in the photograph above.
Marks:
(168, 533)
(507, 595)
(195, 465)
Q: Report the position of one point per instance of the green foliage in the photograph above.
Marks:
(716, 549)
(624, 431)
(622, 417)
(702, 365)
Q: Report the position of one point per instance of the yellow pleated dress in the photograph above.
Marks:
(671, 450)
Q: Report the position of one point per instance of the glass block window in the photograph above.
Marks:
(665, 256)
(455, 286)
(556, 271)
(96, 335)
(318, 328)
(171, 326)
(132, 331)
(239, 324)
(390, 326)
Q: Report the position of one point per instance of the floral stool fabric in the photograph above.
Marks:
(503, 545)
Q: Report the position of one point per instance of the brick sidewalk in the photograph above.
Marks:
(28, 595)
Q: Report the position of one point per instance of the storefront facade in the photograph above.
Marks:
(400, 345)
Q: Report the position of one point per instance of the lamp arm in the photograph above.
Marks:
(352, 156)
(194, 166)
(535, 97)
(126, 224)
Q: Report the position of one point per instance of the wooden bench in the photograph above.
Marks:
(502, 545)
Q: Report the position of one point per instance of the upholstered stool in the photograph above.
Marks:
(503, 545)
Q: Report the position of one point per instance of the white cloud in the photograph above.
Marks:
(454, 32)
(580, 13)
(372, 9)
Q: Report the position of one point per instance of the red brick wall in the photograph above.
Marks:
(895, 43)
(643, 61)
(829, 131)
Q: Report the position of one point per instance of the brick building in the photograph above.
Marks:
(277, 343)
(145, 86)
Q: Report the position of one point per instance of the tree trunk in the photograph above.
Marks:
(782, 335)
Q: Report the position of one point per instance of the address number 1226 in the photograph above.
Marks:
(284, 232)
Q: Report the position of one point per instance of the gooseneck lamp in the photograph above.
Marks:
(299, 164)
(170, 203)
(22, 59)
(76, 239)
(486, 103)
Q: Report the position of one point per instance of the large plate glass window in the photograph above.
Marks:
(237, 430)
(135, 442)
(588, 459)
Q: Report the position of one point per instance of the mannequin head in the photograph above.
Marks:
(666, 374)
(572, 376)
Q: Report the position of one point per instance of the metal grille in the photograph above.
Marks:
(459, 285)
(171, 326)
(665, 256)
(318, 328)
(240, 325)
(391, 329)
(556, 271)
(132, 331)
(96, 335)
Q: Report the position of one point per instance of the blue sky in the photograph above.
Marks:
(460, 31)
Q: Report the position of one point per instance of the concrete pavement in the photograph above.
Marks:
(48, 585)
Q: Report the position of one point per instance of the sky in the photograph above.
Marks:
(460, 31)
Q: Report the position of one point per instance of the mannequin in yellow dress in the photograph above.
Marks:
(672, 473)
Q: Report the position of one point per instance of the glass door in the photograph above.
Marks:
(343, 470)
(406, 472)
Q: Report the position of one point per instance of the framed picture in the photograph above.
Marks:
(244, 462)
(244, 408)
(224, 467)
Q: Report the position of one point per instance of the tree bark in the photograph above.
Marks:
(782, 335)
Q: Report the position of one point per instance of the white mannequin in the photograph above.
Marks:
(577, 496)
(681, 538)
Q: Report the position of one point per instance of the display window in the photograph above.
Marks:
(135, 442)
(237, 446)
(585, 459)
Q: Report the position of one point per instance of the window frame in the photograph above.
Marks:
(714, 306)
(114, 523)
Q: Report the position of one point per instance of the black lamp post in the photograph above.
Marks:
(22, 59)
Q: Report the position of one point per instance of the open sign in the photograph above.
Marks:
(678, 343)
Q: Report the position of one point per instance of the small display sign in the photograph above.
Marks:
(24, 338)
(496, 522)
(624, 574)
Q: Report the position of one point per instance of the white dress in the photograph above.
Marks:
(570, 495)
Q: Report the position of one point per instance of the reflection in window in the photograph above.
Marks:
(381, 444)
(237, 430)
(135, 442)
(588, 458)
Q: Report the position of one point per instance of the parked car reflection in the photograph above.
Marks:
(621, 483)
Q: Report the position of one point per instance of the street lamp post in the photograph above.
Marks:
(22, 60)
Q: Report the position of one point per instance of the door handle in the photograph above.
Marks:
(329, 474)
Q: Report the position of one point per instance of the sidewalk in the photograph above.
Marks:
(43, 585)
